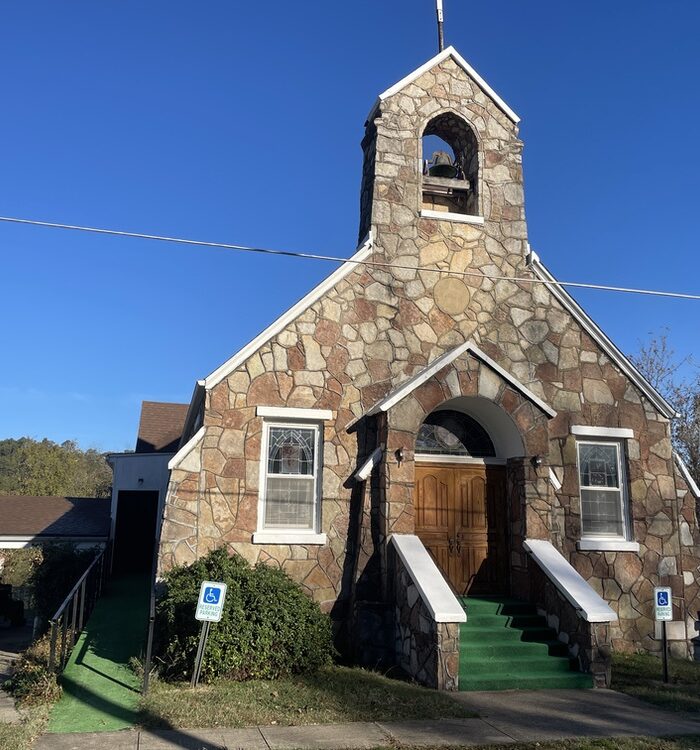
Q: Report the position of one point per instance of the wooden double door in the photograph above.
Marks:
(461, 519)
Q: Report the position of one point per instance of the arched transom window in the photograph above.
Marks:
(452, 433)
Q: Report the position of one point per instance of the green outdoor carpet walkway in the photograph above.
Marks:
(100, 692)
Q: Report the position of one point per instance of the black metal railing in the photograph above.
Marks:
(67, 624)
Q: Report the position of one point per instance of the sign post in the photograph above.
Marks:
(663, 612)
(210, 606)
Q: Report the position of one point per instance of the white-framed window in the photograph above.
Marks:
(289, 505)
(290, 494)
(603, 490)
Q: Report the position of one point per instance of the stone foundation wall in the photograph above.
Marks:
(426, 650)
(589, 642)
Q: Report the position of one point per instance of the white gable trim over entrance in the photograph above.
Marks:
(286, 318)
(449, 52)
(398, 394)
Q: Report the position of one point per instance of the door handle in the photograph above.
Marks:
(451, 545)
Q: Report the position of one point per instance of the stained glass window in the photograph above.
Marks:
(601, 489)
(450, 432)
(290, 486)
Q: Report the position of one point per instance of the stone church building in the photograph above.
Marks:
(438, 436)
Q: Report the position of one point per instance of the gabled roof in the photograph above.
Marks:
(416, 380)
(588, 325)
(449, 52)
(160, 426)
(286, 318)
(51, 517)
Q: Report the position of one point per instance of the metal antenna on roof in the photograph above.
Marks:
(441, 38)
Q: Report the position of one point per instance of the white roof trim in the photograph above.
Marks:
(441, 57)
(623, 433)
(186, 448)
(291, 412)
(51, 537)
(685, 473)
(443, 360)
(568, 303)
(554, 479)
(433, 589)
(587, 602)
(286, 318)
(368, 466)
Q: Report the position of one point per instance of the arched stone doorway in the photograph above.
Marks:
(460, 492)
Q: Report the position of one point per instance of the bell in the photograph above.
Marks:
(442, 165)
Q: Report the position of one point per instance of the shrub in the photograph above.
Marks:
(60, 569)
(269, 628)
(32, 682)
(18, 566)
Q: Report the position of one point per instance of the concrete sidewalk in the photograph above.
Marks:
(505, 717)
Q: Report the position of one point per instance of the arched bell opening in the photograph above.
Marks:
(450, 166)
(461, 504)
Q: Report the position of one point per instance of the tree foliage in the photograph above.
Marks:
(42, 467)
(662, 368)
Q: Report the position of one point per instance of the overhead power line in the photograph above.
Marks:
(337, 259)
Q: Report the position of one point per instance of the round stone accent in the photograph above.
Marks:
(451, 295)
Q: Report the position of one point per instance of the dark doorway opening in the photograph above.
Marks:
(135, 532)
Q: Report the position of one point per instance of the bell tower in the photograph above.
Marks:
(442, 157)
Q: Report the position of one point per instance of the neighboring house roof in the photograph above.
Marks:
(588, 325)
(160, 427)
(443, 360)
(72, 517)
(440, 57)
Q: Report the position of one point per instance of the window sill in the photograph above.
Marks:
(607, 545)
(288, 537)
(427, 213)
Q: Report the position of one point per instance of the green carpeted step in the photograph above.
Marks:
(499, 621)
(524, 665)
(487, 605)
(506, 645)
(516, 649)
(532, 681)
(503, 633)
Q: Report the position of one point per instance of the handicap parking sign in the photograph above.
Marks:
(210, 604)
(663, 605)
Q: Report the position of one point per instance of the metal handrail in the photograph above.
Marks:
(73, 613)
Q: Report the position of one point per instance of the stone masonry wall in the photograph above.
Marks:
(588, 642)
(426, 650)
(378, 326)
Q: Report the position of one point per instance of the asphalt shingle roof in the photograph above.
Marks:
(160, 427)
(54, 516)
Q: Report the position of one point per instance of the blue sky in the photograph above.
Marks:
(241, 122)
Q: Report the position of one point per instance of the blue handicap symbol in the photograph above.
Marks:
(662, 598)
(212, 595)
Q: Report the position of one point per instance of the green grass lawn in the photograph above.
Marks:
(336, 694)
(641, 675)
(612, 743)
(20, 736)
